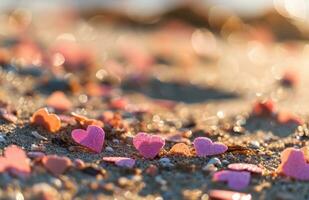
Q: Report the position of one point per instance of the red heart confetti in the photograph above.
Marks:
(235, 180)
(245, 167)
(59, 101)
(264, 108)
(293, 164)
(51, 122)
(56, 164)
(92, 138)
(121, 161)
(228, 195)
(205, 147)
(148, 145)
(15, 161)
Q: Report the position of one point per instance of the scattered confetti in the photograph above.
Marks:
(148, 145)
(205, 147)
(92, 138)
(121, 161)
(235, 180)
(51, 122)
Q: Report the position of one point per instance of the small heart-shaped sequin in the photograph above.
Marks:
(235, 180)
(205, 147)
(121, 161)
(293, 164)
(56, 164)
(59, 101)
(92, 138)
(15, 161)
(51, 122)
(148, 145)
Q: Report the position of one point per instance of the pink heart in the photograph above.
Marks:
(293, 164)
(121, 161)
(56, 164)
(15, 161)
(245, 166)
(205, 147)
(235, 180)
(148, 145)
(92, 138)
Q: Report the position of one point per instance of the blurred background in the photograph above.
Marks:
(226, 48)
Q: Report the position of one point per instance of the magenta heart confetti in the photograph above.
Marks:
(92, 138)
(15, 161)
(235, 180)
(228, 195)
(121, 161)
(148, 145)
(245, 167)
(205, 147)
(293, 164)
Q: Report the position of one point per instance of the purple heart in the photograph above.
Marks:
(92, 138)
(121, 161)
(235, 180)
(148, 145)
(205, 147)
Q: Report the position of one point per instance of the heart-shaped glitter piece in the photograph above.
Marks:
(148, 145)
(235, 180)
(92, 138)
(205, 147)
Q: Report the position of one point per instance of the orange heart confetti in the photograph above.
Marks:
(85, 122)
(59, 101)
(180, 149)
(51, 122)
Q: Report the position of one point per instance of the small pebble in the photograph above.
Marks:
(225, 162)
(215, 161)
(160, 180)
(116, 141)
(152, 170)
(210, 168)
(109, 149)
(166, 162)
(78, 163)
(2, 139)
(37, 135)
(254, 144)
